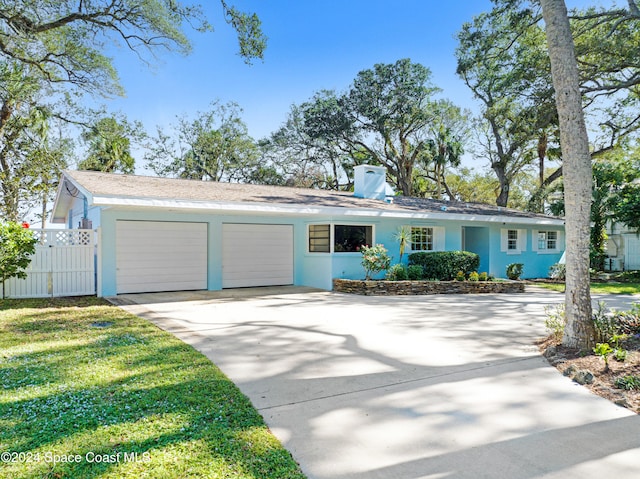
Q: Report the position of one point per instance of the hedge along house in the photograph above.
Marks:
(161, 234)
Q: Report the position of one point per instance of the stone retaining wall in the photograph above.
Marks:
(390, 288)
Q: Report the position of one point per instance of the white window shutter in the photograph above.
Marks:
(522, 240)
(504, 240)
(560, 244)
(438, 238)
(534, 240)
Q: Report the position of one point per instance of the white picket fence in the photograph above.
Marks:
(64, 264)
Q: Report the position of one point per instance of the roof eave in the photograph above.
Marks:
(302, 210)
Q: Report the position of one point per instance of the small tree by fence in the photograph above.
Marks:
(17, 245)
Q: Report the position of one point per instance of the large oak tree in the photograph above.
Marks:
(502, 56)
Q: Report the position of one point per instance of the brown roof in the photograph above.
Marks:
(147, 187)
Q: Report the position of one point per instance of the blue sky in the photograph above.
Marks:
(312, 45)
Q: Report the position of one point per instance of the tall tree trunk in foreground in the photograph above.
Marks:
(579, 332)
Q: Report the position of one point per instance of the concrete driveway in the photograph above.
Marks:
(445, 386)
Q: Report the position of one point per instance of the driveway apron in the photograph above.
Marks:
(443, 386)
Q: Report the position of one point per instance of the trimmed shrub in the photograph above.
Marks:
(398, 272)
(444, 265)
(558, 271)
(414, 272)
(514, 271)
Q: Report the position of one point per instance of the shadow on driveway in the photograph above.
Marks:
(405, 387)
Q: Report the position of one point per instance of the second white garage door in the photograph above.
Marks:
(160, 256)
(256, 255)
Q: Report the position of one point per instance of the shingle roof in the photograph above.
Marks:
(109, 185)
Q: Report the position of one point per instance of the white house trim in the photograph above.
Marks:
(302, 210)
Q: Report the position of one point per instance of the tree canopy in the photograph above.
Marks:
(109, 145)
(502, 56)
(52, 52)
(214, 146)
(65, 41)
(388, 116)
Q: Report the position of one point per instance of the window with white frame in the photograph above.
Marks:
(319, 238)
(349, 238)
(513, 241)
(327, 238)
(422, 238)
(548, 240)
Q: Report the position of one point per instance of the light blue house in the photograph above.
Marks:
(160, 234)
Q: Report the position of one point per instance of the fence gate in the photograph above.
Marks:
(64, 264)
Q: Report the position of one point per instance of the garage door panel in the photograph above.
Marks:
(150, 259)
(259, 275)
(160, 256)
(150, 287)
(257, 255)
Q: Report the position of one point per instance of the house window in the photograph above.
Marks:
(547, 240)
(349, 238)
(512, 240)
(421, 239)
(346, 238)
(319, 238)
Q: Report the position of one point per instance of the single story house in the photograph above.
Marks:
(162, 234)
(623, 248)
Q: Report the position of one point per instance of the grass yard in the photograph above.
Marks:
(90, 391)
(602, 288)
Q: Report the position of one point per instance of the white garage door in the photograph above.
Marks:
(631, 252)
(160, 256)
(256, 255)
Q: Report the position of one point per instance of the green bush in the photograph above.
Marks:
(628, 322)
(398, 272)
(483, 276)
(460, 276)
(514, 271)
(473, 276)
(558, 271)
(17, 245)
(630, 383)
(603, 350)
(556, 320)
(620, 355)
(611, 326)
(414, 272)
(444, 265)
(604, 323)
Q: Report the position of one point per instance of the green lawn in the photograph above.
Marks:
(603, 288)
(115, 397)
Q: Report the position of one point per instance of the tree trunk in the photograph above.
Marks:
(503, 196)
(579, 331)
(542, 152)
(405, 182)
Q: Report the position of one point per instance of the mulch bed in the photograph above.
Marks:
(603, 380)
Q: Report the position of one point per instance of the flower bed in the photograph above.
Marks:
(391, 288)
